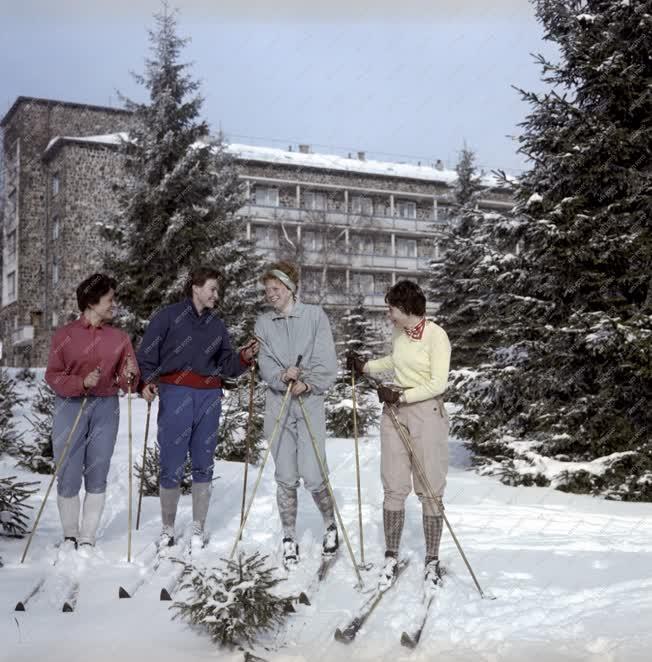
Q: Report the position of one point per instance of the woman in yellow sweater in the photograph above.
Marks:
(420, 361)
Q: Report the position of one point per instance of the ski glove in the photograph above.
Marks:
(388, 395)
(355, 363)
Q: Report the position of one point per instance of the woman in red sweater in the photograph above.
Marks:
(89, 359)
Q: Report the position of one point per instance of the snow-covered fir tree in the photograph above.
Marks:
(479, 249)
(150, 477)
(179, 198)
(569, 377)
(235, 423)
(36, 451)
(14, 516)
(9, 398)
(355, 331)
(233, 603)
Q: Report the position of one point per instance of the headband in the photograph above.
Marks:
(285, 279)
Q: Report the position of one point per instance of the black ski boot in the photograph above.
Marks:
(331, 541)
(290, 552)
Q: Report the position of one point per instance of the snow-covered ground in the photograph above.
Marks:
(572, 575)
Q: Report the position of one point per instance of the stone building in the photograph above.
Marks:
(354, 225)
(52, 198)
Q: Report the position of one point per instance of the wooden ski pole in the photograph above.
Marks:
(130, 445)
(142, 466)
(357, 467)
(252, 386)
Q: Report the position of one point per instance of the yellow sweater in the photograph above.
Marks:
(420, 366)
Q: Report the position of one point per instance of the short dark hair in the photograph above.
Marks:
(199, 276)
(408, 297)
(91, 290)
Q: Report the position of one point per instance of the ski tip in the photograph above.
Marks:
(67, 608)
(165, 595)
(288, 608)
(19, 607)
(407, 641)
(303, 599)
(342, 638)
(250, 657)
(122, 593)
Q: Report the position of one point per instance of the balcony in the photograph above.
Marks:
(336, 217)
(23, 335)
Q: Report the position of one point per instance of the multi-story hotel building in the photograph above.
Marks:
(354, 225)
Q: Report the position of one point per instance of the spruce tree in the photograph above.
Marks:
(9, 398)
(179, 199)
(479, 249)
(356, 332)
(36, 453)
(569, 379)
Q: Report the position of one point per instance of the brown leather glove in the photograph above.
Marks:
(388, 395)
(355, 363)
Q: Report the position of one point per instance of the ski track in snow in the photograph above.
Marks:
(571, 574)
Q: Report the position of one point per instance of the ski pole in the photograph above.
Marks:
(130, 444)
(262, 466)
(142, 467)
(357, 467)
(405, 438)
(66, 447)
(324, 475)
(252, 386)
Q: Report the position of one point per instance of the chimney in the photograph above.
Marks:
(304, 149)
(439, 165)
(362, 156)
(289, 148)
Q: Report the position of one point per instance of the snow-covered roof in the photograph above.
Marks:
(306, 160)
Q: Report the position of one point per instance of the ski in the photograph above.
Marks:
(348, 634)
(150, 569)
(169, 589)
(411, 639)
(38, 585)
(326, 563)
(70, 602)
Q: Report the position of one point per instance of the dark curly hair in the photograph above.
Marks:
(91, 290)
(198, 276)
(408, 297)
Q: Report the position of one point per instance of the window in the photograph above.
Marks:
(406, 209)
(55, 271)
(311, 280)
(362, 283)
(11, 285)
(336, 280)
(266, 196)
(55, 319)
(382, 246)
(314, 200)
(311, 240)
(11, 200)
(362, 244)
(381, 208)
(382, 282)
(425, 248)
(55, 183)
(55, 227)
(362, 205)
(266, 236)
(406, 247)
(11, 244)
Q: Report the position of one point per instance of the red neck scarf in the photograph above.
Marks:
(416, 332)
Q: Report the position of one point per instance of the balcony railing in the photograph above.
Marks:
(337, 217)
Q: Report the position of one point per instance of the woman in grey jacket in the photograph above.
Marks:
(291, 329)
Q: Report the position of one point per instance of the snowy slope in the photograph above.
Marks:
(572, 575)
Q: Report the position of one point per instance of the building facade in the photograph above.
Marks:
(354, 226)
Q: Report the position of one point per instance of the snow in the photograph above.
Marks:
(535, 197)
(314, 160)
(570, 573)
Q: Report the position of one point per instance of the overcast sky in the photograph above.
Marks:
(400, 80)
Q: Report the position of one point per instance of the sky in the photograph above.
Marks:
(403, 81)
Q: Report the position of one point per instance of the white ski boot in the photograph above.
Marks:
(389, 572)
(197, 539)
(432, 578)
(166, 539)
(290, 552)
